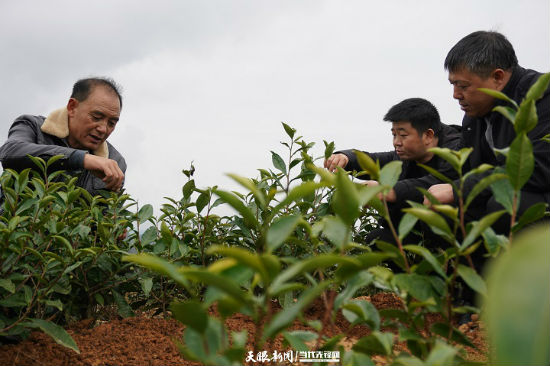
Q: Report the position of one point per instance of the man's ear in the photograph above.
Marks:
(71, 107)
(428, 136)
(499, 78)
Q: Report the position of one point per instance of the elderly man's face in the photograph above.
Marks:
(94, 119)
(473, 102)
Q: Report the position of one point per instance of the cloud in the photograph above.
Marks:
(211, 82)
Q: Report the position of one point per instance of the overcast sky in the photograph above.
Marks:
(211, 81)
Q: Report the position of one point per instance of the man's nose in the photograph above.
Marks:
(101, 127)
(457, 94)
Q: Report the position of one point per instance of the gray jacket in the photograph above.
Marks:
(46, 137)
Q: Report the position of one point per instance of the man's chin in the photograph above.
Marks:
(92, 146)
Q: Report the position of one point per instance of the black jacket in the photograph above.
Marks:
(473, 133)
(44, 138)
(413, 176)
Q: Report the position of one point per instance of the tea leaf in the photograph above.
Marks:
(58, 334)
(520, 162)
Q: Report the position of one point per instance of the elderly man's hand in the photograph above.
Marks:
(443, 192)
(336, 160)
(106, 169)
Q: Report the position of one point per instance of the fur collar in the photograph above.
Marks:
(57, 124)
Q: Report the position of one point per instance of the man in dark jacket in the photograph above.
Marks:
(416, 127)
(487, 60)
(78, 132)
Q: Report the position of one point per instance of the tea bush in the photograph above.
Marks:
(251, 278)
(297, 235)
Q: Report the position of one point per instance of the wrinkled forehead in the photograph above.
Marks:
(103, 98)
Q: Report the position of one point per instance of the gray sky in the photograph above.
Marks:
(211, 81)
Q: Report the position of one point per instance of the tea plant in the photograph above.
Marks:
(61, 251)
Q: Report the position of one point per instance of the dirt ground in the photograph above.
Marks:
(145, 340)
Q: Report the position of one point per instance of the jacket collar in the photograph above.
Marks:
(57, 124)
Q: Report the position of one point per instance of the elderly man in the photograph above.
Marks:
(78, 132)
(416, 127)
(488, 60)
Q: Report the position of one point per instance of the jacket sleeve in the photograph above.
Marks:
(24, 138)
(353, 163)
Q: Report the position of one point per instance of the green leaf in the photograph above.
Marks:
(406, 225)
(202, 201)
(124, 310)
(296, 194)
(419, 287)
(368, 193)
(54, 303)
(145, 213)
(280, 230)
(249, 184)
(352, 358)
(538, 89)
(58, 334)
(532, 214)
(346, 199)
(7, 284)
(436, 173)
(478, 227)
(335, 230)
(158, 265)
(498, 95)
(375, 343)
(289, 130)
(494, 242)
(219, 281)
(441, 355)
(503, 192)
(447, 155)
(481, 186)
(508, 112)
(238, 205)
(298, 338)
(367, 164)
(278, 162)
(146, 285)
(518, 302)
(390, 173)
(431, 218)
(188, 189)
(526, 117)
(472, 279)
(361, 311)
(65, 242)
(149, 235)
(244, 257)
(314, 263)
(520, 162)
(428, 256)
(360, 280)
(329, 148)
(190, 313)
(285, 317)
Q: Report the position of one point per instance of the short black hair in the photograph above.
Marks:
(482, 52)
(422, 115)
(83, 87)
